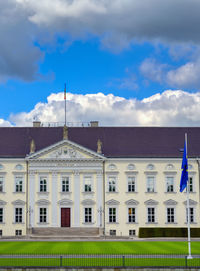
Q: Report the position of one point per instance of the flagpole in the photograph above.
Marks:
(188, 210)
(65, 102)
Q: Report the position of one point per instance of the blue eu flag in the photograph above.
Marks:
(184, 167)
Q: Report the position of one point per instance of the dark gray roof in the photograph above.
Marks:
(117, 141)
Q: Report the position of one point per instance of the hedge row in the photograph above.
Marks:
(168, 232)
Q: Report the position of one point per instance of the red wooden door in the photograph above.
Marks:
(65, 217)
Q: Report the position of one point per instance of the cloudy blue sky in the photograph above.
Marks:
(125, 62)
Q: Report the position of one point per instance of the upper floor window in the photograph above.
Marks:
(1, 184)
(190, 184)
(131, 184)
(150, 184)
(131, 215)
(19, 167)
(65, 184)
(112, 184)
(87, 184)
(169, 167)
(112, 167)
(150, 167)
(1, 166)
(170, 184)
(19, 184)
(131, 167)
(43, 184)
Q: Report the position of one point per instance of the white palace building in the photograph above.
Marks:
(95, 181)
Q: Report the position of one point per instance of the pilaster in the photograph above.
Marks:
(77, 199)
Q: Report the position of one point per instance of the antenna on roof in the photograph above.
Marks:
(65, 102)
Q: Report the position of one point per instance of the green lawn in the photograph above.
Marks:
(142, 247)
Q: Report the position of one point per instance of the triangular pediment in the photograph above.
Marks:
(18, 202)
(170, 202)
(112, 202)
(131, 202)
(65, 150)
(151, 202)
(191, 202)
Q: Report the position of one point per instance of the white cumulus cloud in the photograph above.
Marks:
(170, 108)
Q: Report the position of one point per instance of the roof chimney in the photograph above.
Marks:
(94, 123)
(36, 123)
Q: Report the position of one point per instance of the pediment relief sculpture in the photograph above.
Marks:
(65, 152)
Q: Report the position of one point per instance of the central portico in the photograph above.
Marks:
(66, 187)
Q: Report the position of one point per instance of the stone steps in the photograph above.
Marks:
(68, 232)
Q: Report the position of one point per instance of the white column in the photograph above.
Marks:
(31, 199)
(76, 199)
(54, 187)
(100, 197)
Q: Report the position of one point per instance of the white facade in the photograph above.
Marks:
(67, 185)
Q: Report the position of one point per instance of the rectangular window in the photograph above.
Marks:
(43, 215)
(1, 184)
(190, 184)
(191, 214)
(65, 184)
(87, 184)
(170, 184)
(151, 215)
(131, 184)
(88, 215)
(170, 215)
(112, 184)
(1, 215)
(1, 232)
(18, 215)
(18, 184)
(131, 215)
(18, 232)
(131, 232)
(43, 184)
(150, 184)
(112, 232)
(112, 215)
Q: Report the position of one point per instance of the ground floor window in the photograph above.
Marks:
(18, 215)
(43, 215)
(131, 232)
(88, 215)
(18, 232)
(1, 215)
(131, 215)
(112, 215)
(112, 232)
(1, 232)
(170, 215)
(191, 214)
(150, 214)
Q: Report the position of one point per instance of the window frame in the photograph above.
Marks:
(19, 217)
(19, 187)
(3, 184)
(169, 215)
(172, 185)
(151, 215)
(88, 217)
(153, 177)
(87, 184)
(42, 186)
(112, 187)
(2, 215)
(112, 218)
(65, 185)
(131, 184)
(131, 216)
(43, 215)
